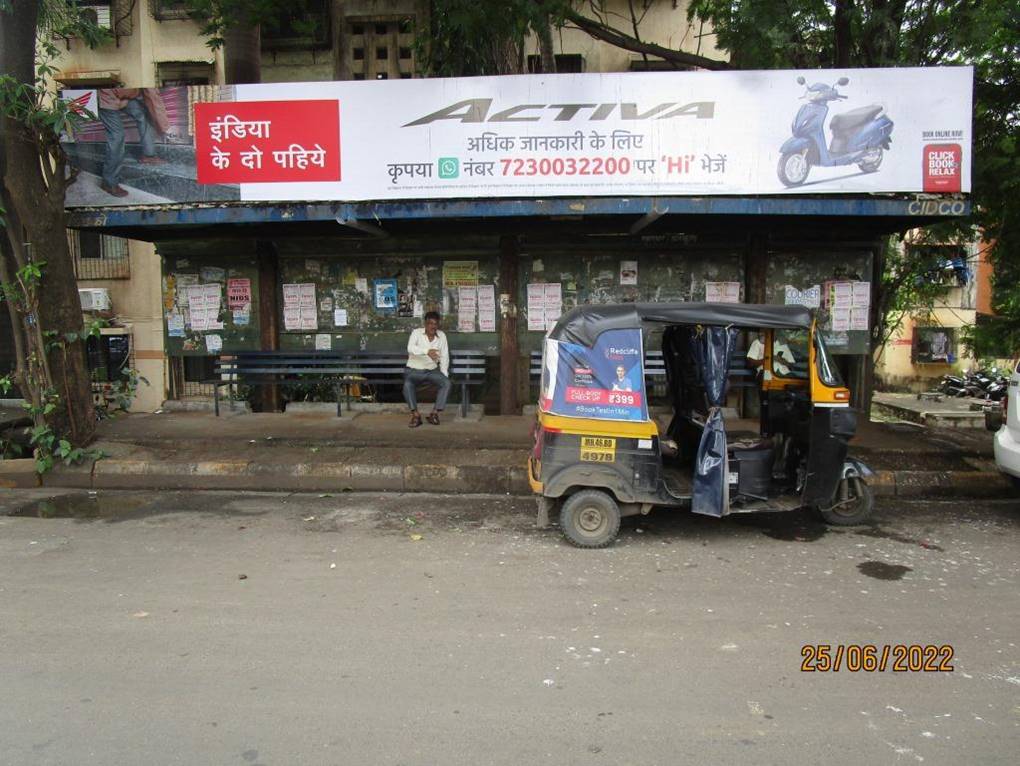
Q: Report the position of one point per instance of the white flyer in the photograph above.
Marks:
(859, 319)
(213, 344)
(536, 306)
(628, 272)
(467, 308)
(486, 308)
(291, 318)
(340, 317)
(323, 341)
(861, 292)
(840, 320)
(722, 292)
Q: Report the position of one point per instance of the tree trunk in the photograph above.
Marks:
(32, 191)
(242, 54)
(545, 47)
(509, 352)
(843, 36)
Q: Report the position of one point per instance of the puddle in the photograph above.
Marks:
(885, 534)
(880, 570)
(83, 507)
(799, 533)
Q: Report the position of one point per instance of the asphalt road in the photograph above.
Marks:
(216, 628)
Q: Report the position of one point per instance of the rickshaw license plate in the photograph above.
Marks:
(598, 449)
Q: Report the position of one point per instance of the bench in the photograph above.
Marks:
(341, 368)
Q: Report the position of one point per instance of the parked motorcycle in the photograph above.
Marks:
(859, 136)
(978, 384)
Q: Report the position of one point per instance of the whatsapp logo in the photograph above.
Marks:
(449, 167)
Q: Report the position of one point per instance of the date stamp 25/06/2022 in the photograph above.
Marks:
(875, 658)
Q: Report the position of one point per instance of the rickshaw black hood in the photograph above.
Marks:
(585, 323)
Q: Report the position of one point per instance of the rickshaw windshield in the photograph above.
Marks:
(827, 370)
(605, 381)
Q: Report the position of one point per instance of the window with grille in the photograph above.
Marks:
(565, 63)
(380, 49)
(168, 10)
(304, 28)
(178, 73)
(98, 256)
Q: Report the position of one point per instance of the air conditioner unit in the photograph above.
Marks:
(98, 14)
(94, 298)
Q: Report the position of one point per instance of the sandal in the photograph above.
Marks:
(415, 421)
(434, 418)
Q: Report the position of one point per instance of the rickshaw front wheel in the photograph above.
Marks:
(854, 503)
(590, 519)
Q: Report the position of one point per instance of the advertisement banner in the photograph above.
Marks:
(657, 133)
(605, 382)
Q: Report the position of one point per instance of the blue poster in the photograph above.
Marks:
(605, 381)
(384, 295)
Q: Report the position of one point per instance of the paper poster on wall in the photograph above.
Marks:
(242, 316)
(722, 292)
(467, 308)
(628, 272)
(213, 344)
(861, 295)
(536, 306)
(326, 305)
(238, 293)
(323, 342)
(486, 308)
(840, 320)
(306, 295)
(309, 318)
(460, 274)
(291, 318)
(175, 324)
(859, 319)
(340, 317)
(361, 285)
(553, 303)
(291, 295)
(384, 294)
(841, 295)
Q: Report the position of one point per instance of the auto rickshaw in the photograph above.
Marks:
(599, 456)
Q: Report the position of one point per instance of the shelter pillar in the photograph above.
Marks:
(509, 351)
(269, 323)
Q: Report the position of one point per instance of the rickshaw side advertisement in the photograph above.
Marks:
(605, 381)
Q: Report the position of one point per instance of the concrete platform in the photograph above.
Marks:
(948, 412)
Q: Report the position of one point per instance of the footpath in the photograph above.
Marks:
(318, 452)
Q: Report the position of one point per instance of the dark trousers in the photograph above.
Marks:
(415, 378)
(114, 124)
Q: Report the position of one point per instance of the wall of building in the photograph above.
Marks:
(136, 302)
(135, 56)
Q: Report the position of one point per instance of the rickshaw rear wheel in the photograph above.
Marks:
(590, 519)
(855, 509)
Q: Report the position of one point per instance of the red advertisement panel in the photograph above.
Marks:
(577, 395)
(942, 167)
(267, 141)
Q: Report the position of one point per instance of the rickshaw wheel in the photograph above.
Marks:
(590, 519)
(855, 509)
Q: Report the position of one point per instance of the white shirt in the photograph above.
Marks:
(418, 347)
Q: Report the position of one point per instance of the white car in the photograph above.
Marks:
(1007, 437)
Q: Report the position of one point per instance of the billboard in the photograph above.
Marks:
(661, 133)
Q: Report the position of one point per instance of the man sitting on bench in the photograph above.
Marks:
(428, 361)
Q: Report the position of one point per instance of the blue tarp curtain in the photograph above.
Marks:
(711, 349)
